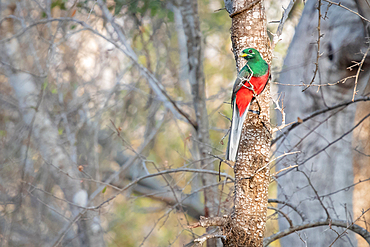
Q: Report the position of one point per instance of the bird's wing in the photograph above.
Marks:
(243, 75)
(239, 82)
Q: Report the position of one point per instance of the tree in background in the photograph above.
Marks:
(323, 79)
(112, 114)
(99, 87)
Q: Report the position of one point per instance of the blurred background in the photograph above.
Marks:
(96, 95)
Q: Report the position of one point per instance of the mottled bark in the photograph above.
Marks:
(342, 41)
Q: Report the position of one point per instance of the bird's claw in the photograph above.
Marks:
(255, 112)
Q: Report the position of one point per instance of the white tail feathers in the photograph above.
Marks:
(235, 132)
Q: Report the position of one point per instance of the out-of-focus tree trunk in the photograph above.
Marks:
(361, 144)
(191, 26)
(18, 57)
(361, 169)
(342, 41)
(45, 137)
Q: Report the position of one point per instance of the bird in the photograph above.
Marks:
(251, 81)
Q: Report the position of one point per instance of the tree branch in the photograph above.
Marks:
(339, 223)
(316, 113)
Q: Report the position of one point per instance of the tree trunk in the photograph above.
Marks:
(18, 56)
(320, 172)
(360, 144)
(61, 169)
(247, 222)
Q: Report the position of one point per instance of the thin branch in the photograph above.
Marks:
(283, 214)
(82, 179)
(339, 235)
(358, 72)
(318, 55)
(248, 7)
(281, 110)
(283, 155)
(48, 206)
(317, 196)
(311, 130)
(317, 85)
(345, 188)
(335, 141)
(205, 237)
(339, 223)
(300, 213)
(284, 169)
(153, 82)
(316, 113)
(66, 229)
(175, 196)
(344, 7)
(211, 221)
(282, 21)
(161, 173)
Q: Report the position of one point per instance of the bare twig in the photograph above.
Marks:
(316, 113)
(339, 223)
(205, 237)
(282, 21)
(177, 202)
(248, 7)
(301, 214)
(212, 221)
(312, 130)
(344, 80)
(153, 82)
(348, 227)
(281, 110)
(165, 172)
(344, 7)
(345, 188)
(284, 169)
(318, 55)
(283, 155)
(358, 72)
(335, 141)
(283, 214)
(66, 228)
(317, 195)
(46, 205)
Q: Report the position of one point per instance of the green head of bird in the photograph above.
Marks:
(250, 54)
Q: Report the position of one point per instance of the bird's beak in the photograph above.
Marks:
(243, 55)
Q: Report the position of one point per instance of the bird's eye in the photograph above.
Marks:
(250, 51)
